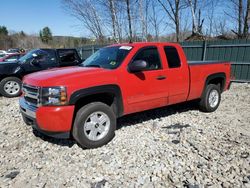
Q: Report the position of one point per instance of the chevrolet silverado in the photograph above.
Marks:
(84, 102)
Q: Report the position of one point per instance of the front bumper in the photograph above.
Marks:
(54, 121)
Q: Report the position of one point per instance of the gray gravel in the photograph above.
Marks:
(176, 146)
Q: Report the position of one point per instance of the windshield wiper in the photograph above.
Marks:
(99, 66)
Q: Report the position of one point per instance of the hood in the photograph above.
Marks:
(63, 76)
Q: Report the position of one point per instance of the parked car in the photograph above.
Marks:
(3, 52)
(11, 73)
(2, 55)
(121, 79)
(13, 50)
(11, 57)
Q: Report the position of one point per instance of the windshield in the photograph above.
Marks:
(109, 57)
(29, 56)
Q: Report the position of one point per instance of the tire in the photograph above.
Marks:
(210, 99)
(11, 87)
(94, 125)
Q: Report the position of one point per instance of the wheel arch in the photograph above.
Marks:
(108, 94)
(11, 75)
(217, 79)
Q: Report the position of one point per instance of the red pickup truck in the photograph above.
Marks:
(84, 102)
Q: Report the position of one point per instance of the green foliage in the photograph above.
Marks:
(45, 35)
(3, 30)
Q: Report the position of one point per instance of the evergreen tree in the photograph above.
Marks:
(3, 30)
(45, 35)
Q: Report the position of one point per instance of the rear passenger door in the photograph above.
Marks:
(177, 75)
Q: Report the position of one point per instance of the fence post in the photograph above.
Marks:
(204, 50)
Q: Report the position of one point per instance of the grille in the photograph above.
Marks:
(31, 94)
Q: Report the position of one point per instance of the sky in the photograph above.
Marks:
(32, 15)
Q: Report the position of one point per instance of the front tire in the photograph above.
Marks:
(210, 99)
(94, 126)
(10, 87)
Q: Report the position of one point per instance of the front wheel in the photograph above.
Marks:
(94, 125)
(211, 98)
(10, 87)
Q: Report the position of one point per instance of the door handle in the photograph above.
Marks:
(161, 77)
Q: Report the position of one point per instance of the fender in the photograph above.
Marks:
(112, 89)
(216, 75)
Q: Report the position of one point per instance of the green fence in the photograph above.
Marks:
(235, 51)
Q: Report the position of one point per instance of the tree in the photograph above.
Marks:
(22, 34)
(197, 24)
(111, 10)
(129, 19)
(45, 35)
(87, 13)
(246, 21)
(173, 8)
(3, 31)
(155, 20)
(240, 16)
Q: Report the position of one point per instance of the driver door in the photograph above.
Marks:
(146, 89)
(44, 60)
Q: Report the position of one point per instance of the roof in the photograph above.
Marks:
(141, 44)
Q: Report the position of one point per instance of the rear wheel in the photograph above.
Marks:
(10, 87)
(94, 125)
(211, 98)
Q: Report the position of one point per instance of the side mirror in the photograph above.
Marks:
(137, 66)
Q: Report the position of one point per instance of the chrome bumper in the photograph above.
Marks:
(27, 109)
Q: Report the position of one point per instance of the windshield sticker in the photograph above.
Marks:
(125, 47)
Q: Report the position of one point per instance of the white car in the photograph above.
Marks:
(3, 52)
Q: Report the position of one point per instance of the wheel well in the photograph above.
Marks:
(106, 98)
(220, 81)
(7, 76)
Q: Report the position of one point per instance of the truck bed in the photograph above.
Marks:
(199, 72)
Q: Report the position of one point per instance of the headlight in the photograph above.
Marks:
(54, 96)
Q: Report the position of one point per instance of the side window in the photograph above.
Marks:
(151, 56)
(172, 57)
(46, 56)
(67, 57)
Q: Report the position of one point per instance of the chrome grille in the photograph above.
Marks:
(31, 94)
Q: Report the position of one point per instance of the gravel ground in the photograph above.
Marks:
(177, 146)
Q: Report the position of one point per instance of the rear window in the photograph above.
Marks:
(172, 57)
(68, 56)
